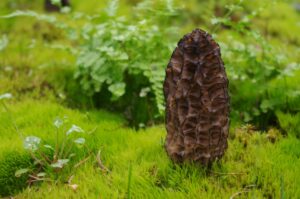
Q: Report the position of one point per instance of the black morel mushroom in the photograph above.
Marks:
(197, 100)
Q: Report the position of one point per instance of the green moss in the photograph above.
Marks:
(268, 169)
(289, 123)
(10, 162)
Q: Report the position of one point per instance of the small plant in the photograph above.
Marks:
(252, 64)
(49, 157)
(52, 158)
(44, 160)
(120, 63)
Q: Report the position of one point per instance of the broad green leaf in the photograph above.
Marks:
(117, 89)
(214, 21)
(5, 96)
(80, 141)
(20, 172)
(73, 129)
(42, 174)
(60, 163)
(32, 143)
(144, 91)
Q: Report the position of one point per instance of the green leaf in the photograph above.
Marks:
(60, 163)
(32, 143)
(49, 147)
(122, 56)
(247, 117)
(42, 174)
(265, 105)
(20, 172)
(5, 96)
(56, 2)
(256, 112)
(117, 89)
(144, 91)
(290, 69)
(58, 122)
(73, 129)
(79, 141)
(65, 9)
(88, 59)
(214, 21)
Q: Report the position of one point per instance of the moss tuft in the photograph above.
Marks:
(10, 162)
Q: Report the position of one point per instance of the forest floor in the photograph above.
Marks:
(252, 167)
(133, 163)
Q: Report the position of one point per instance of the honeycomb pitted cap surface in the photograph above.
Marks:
(197, 100)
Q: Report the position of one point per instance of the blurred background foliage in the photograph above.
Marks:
(112, 54)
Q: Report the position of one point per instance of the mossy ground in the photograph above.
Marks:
(253, 166)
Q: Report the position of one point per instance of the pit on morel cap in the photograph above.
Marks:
(197, 100)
